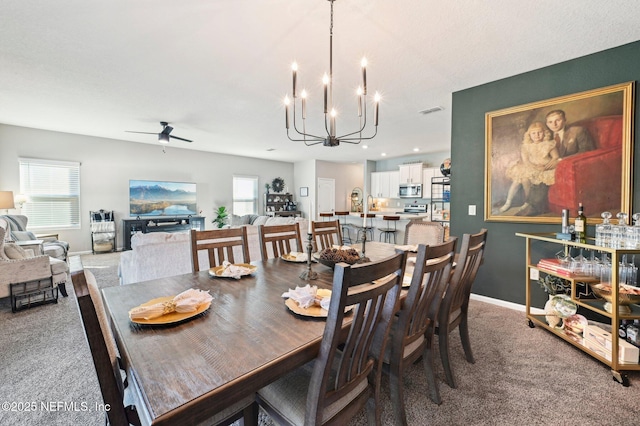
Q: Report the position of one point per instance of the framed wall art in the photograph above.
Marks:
(551, 155)
(304, 191)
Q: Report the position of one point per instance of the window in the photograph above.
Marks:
(53, 188)
(245, 195)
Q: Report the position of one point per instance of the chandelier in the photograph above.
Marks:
(330, 113)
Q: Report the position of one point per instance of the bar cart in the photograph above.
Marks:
(614, 311)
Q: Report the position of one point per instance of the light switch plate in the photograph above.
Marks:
(534, 274)
(472, 209)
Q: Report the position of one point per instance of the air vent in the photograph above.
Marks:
(430, 110)
(270, 149)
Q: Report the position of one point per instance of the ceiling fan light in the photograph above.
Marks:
(163, 138)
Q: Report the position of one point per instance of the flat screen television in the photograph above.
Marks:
(158, 198)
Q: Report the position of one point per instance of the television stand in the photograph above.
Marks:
(158, 224)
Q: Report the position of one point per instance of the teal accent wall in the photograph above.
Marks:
(503, 274)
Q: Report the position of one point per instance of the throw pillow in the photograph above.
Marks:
(23, 235)
(14, 251)
(260, 220)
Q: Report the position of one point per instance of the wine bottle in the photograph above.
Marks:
(580, 225)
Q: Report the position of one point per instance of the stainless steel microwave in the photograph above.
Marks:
(410, 190)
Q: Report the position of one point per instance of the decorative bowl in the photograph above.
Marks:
(330, 256)
(627, 295)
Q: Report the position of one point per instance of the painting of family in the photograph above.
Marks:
(551, 155)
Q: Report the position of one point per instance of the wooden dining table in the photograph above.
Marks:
(186, 372)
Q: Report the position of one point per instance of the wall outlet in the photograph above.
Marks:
(472, 210)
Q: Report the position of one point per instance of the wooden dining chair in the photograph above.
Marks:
(281, 239)
(109, 367)
(455, 304)
(423, 232)
(326, 234)
(412, 334)
(345, 376)
(220, 244)
(103, 347)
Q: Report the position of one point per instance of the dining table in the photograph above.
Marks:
(187, 371)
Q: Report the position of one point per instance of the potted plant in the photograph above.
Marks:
(222, 215)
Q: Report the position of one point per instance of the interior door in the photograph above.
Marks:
(326, 195)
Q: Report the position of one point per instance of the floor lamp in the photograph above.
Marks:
(6, 200)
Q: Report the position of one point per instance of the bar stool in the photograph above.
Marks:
(368, 229)
(389, 232)
(324, 216)
(346, 227)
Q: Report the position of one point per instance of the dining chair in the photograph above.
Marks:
(412, 334)
(220, 244)
(326, 234)
(423, 232)
(109, 366)
(345, 377)
(455, 304)
(280, 239)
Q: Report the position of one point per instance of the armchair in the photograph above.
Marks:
(18, 232)
(31, 268)
(593, 177)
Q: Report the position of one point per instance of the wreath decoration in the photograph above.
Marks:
(277, 185)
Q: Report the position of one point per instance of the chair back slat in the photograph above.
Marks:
(280, 239)
(219, 244)
(326, 234)
(346, 367)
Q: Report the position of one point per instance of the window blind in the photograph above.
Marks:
(245, 195)
(53, 188)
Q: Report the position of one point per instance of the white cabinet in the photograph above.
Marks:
(411, 173)
(385, 184)
(429, 173)
(394, 184)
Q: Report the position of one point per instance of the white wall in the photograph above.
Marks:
(107, 166)
(347, 176)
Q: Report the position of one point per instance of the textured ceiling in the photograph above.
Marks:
(218, 70)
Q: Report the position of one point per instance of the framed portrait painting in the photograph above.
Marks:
(551, 155)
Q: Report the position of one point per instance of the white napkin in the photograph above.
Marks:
(408, 247)
(233, 271)
(308, 296)
(298, 256)
(187, 301)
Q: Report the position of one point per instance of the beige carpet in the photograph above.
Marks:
(522, 376)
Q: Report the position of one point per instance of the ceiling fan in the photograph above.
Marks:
(164, 135)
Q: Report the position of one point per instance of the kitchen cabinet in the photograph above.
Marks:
(609, 353)
(411, 173)
(430, 172)
(385, 184)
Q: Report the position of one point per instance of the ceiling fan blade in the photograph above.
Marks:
(167, 130)
(182, 139)
(144, 133)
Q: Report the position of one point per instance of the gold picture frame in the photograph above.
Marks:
(531, 173)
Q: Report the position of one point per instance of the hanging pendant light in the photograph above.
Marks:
(330, 113)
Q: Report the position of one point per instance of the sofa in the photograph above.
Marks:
(162, 254)
(593, 177)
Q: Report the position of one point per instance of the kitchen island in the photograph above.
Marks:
(355, 221)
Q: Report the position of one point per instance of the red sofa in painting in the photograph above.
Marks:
(593, 178)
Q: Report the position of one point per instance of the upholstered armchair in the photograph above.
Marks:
(18, 232)
(592, 177)
(20, 267)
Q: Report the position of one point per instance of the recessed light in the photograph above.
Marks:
(365, 146)
(384, 154)
(416, 149)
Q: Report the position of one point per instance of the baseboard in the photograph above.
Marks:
(505, 304)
